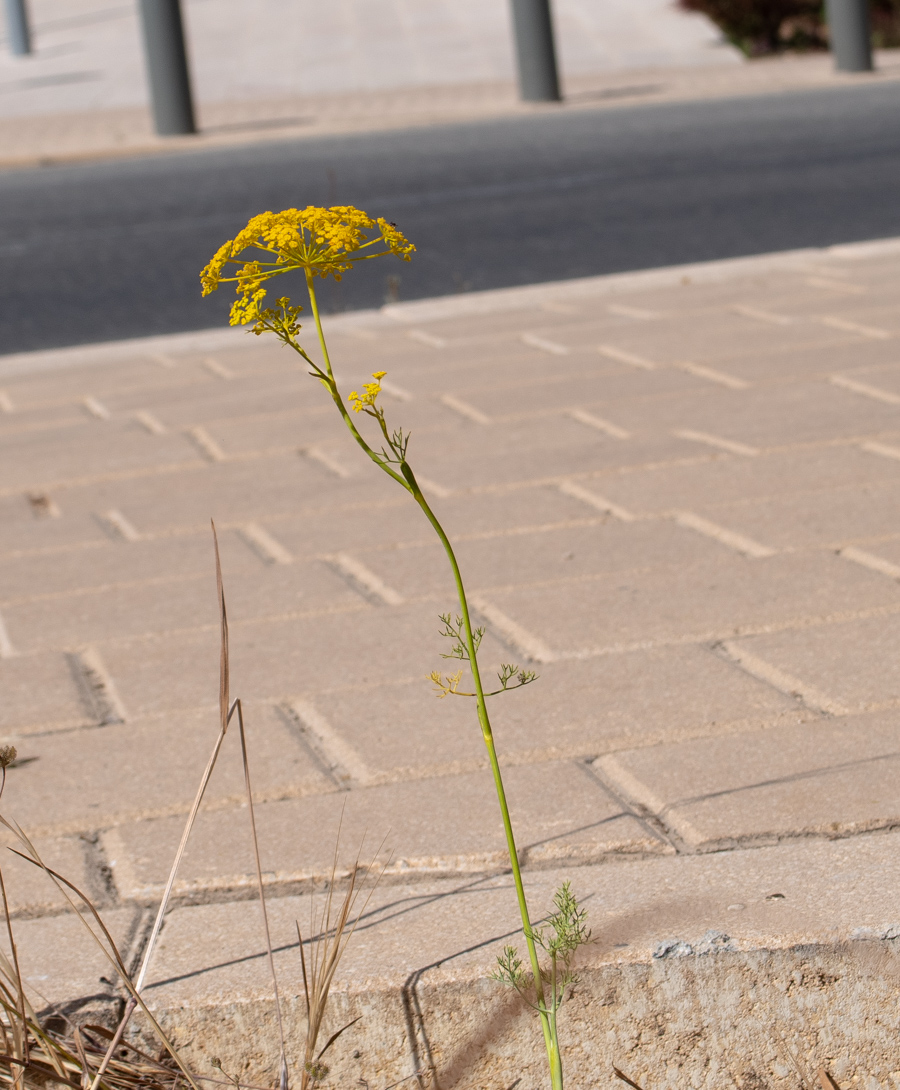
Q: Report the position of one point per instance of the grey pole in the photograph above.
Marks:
(17, 28)
(848, 25)
(167, 67)
(535, 51)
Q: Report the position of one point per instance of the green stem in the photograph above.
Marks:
(335, 393)
(408, 480)
(488, 735)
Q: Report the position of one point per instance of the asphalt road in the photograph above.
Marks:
(106, 250)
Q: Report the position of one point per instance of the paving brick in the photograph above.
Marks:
(768, 416)
(31, 524)
(724, 478)
(831, 777)
(253, 488)
(139, 769)
(39, 462)
(322, 530)
(788, 364)
(246, 433)
(881, 373)
(574, 709)
(596, 379)
(68, 384)
(537, 449)
(716, 338)
(29, 890)
(854, 663)
(281, 658)
(42, 693)
(64, 968)
(565, 552)
(41, 574)
(154, 606)
(427, 826)
(822, 518)
(711, 601)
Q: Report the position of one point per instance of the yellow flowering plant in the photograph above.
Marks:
(328, 242)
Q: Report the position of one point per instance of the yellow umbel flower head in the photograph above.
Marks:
(320, 241)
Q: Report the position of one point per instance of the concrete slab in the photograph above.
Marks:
(695, 960)
(824, 777)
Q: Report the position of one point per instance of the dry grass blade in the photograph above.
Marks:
(225, 714)
(283, 1074)
(327, 950)
(621, 1075)
(82, 1059)
(826, 1081)
(107, 946)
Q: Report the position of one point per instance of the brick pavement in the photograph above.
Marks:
(675, 496)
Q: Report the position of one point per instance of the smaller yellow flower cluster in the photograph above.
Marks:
(282, 320)
(372, 390)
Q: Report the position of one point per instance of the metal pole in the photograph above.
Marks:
(848, 25)
(535, 52)
(167, 67)
(17, 28)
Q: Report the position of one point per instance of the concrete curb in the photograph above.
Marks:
(494, 301)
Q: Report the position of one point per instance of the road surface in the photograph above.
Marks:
(105, 250)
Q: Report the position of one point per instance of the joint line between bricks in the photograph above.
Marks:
(654, 823)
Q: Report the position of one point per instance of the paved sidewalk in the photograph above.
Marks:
(675, 496)
(88, 56)
(297, 68)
